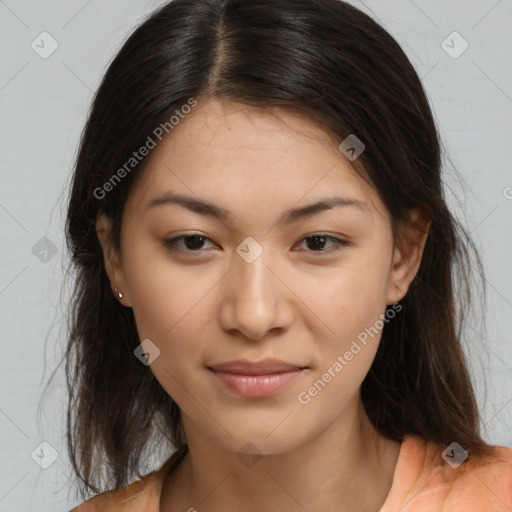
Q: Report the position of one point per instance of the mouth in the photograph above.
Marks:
(261, 379)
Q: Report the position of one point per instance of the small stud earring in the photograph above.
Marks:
(118, 293)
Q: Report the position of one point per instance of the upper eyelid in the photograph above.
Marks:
(314, 233)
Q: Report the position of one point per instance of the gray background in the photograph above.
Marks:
(43, 104)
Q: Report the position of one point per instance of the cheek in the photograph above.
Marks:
(353, 306)
(173, 306)
(349, 299)
(169, 309)
(161, 292)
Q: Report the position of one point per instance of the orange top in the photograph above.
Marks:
(422, 482)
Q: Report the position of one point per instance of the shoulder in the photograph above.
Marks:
(140, 496)
(433, 477)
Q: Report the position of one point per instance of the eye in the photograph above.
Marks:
(318, 240)
(193, 243)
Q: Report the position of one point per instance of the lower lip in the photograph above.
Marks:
(257, 385)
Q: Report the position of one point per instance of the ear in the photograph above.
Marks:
(408, 251)
(112, 258)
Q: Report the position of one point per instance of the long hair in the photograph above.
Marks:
(333, 63)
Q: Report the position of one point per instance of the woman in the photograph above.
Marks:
(265, 268)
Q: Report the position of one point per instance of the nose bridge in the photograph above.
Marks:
(255, 302)
(251, 273)
(253, 277)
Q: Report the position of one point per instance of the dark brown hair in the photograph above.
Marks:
(341, 69)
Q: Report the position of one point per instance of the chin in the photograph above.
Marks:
(262, 434)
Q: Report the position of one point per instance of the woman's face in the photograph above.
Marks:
(263, 275)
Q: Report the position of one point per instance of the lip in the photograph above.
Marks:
(256, 379)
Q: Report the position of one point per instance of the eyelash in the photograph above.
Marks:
(172, 243)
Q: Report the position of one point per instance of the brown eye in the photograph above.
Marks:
(191, 243)
(317, 242)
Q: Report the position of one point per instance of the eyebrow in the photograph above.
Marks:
(211, 210)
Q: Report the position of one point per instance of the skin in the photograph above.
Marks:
(298, 302)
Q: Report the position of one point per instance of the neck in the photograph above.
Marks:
(349, 464)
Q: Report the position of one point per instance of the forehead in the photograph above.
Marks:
(222, 151)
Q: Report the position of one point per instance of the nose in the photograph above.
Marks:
(255, 299)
